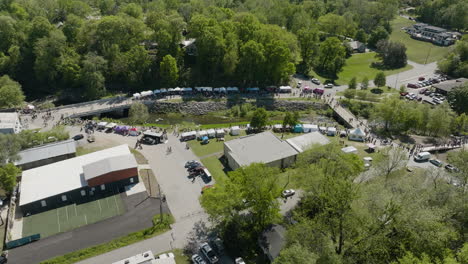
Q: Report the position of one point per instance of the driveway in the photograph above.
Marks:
(139, 215)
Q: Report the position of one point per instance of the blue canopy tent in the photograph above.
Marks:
(298, 128)
(205, 140)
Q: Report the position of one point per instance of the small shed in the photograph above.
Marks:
(201, 134)
(220, 133)
(211, 133)
(298, 128)
(146, 93)
(331, 131)
(357, 135)
(350, 149)
(235, 131)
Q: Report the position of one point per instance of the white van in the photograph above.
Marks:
(422, 156)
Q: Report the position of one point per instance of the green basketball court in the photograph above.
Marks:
(69, 217)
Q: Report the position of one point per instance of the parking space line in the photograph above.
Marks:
(58, 220)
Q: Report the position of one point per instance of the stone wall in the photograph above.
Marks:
(201, 108)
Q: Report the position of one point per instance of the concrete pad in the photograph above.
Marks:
(135, 188)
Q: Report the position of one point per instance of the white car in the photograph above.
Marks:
(328, 85)
(288, 193)
(315, 80)
(240, 261)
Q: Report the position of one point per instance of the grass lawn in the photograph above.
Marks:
(215, 167)
(361, 147)
(80, 151)
(72, 216)
(417, 50)
(138, 156)
(212, 147)
(359, 66)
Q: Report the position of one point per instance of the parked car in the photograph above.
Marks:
(315, 80)
(240, 261)
(451, 168)
(328, 85)
(403, 94)
(209, 253)
(218, 246)
(288, 193)
(436, 162)
(192, 163)
(78, 137)
(422, 91)
(422, 156)
(436, 100)
(427, 92)
(196, 259)
(411, 85)
(148, 140)
(421, 78)
(299, 84)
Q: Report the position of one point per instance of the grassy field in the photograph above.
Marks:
(359, 66)
(417, 51)
(72, 216)
(215, 167)
(211, 148)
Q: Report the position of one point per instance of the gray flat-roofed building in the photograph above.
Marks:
(447, 86)
(303, 142)
(10, 123)
(46, 154)
(262, 148)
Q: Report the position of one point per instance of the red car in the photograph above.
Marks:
(403, 94)
(412, 85)
(421, 78)
(422, 91)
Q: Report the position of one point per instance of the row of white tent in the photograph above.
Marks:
(189, 90)
(210, 133)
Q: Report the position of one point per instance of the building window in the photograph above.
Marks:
(43, 203)
(64, 198)
(83, 192)
(131, 180)
(103, 187)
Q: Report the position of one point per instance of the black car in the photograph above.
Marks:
(148, 141)
(451, 168)
(196, 259)
(78, 137)
(209, 253)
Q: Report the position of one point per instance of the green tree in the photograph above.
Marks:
(333, 24)
(459, 159)
(308, 42)
(11, 94)
(296, 253)
(380, 79)
(458, 99)
(389, 160)
(361, 36)
(259, 119)
(352, 83)
(349, 93)
(138, 113)
(365, 83)
(11, 145)
(48, 51)
(392, 54)
(402, 88)
(168, 72)
(380, 33)
(252, 62)
(331, 57)
(92, 76)
(8, 174)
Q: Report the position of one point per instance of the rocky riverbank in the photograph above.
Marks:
(202, 108)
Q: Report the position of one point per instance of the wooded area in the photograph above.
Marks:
(85, 49)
